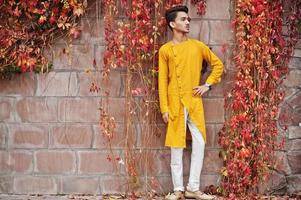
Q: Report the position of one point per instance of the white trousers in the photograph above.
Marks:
(197, 157)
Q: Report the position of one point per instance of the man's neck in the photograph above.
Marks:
(179, 37)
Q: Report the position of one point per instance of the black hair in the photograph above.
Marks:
(171, 14)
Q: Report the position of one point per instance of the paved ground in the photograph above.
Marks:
(112, 197)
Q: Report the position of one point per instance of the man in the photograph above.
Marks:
(180, 95)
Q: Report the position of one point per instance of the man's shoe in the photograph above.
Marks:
(175, 196)
(198, 195)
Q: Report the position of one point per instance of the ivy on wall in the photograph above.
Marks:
(28, 27)
(250, 136)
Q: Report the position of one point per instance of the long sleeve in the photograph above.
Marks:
(163, 81)
(216, 64)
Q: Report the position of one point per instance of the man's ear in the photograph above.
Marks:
(172, 24)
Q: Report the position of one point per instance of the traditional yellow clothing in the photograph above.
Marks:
(180, 68)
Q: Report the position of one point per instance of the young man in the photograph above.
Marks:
(180, 95)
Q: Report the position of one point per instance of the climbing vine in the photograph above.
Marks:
(249, 137)
(28, 27)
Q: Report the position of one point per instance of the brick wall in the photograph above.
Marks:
(289, 173)
(50, 141)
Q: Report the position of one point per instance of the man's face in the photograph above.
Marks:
(181, 22)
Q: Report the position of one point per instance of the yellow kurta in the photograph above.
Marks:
(180, 68)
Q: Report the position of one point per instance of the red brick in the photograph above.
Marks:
(98, 55)
(96, 162)
(210, 133)
(7, 184)
(80, 185)
(71, 136)
(18, 85)
(218, 51)
(216, 9)
(35, 185)
(21, 161)
(199, 29)
(37, 109)
(79, 109)
(286, 116)
(295, 145)
(77, 56)
(60, 57)
(164, 184)
(55, 162)
(220, 37)
(5, 164)
(113, 184)
(294, 184)
(82, 56)
(101, 140)
(113, 85)
(295, 63)
(294, 160)
(289, 92)
(93, 10)
(6, 109)
(297, 53)
(116, 108)
(212, 162)
(161, 160)
(294, 132)
(218, 128)
(57, 84)
(293, 79)
(85, 81)
(281, 163)
(207, 180)
(298, 44)
(3, 135)
(15, 162)
(28, 135)
(295, 101)
(273, 183)
(214, 110)
(94, 30)
(156, 139)
(204, 31)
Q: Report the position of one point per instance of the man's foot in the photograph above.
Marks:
(198, 195)
(175, 195)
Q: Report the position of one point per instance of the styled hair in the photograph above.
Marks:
(171, 14)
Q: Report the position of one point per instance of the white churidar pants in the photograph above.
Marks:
(197, 157)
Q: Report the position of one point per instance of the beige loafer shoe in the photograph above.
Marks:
(198, 195)
(174, 196)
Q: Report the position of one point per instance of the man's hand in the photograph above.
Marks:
(165, 117)
(200, 90)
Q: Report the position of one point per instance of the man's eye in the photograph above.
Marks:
(188, 18)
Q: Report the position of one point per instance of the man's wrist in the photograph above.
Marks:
(208, 85)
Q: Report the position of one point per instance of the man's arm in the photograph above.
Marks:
(163, 84)
(216, 64)
(215, 75)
